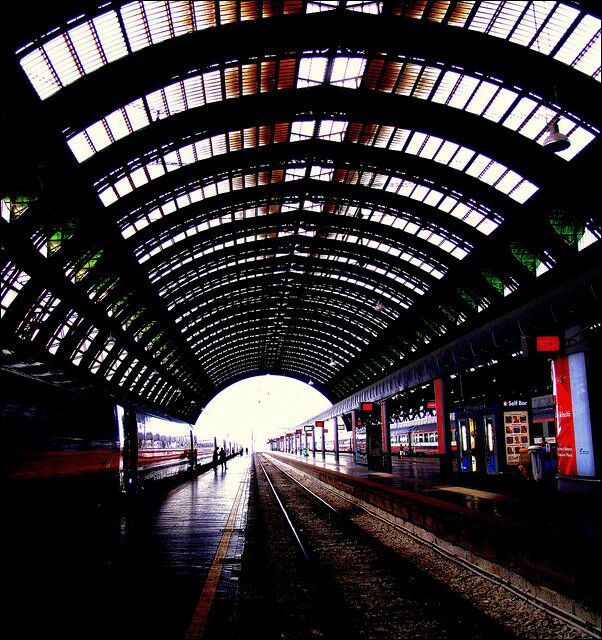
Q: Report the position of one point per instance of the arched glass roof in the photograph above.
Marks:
(325, 189)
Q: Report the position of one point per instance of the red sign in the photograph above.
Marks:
(431, 404)
(547, 343)
(320, 423)
(367, 406)
(565, 429)
(325, 430)
(298, 431)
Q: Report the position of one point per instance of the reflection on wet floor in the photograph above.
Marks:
(171, 545)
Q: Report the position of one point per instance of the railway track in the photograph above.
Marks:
(360, 577)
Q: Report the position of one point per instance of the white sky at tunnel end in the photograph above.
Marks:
(252, 410)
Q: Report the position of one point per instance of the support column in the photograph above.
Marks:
(192, 458)
(353, 435)
(323, 440)
(320, 425)
(336, 438)
(443, 428)
(313, 441)
(386, 436)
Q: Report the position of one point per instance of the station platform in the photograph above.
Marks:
(504, 495)
(153, 568)
(532, 527)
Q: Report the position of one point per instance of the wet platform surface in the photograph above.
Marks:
(76, 570)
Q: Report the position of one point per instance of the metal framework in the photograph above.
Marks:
(195, 192)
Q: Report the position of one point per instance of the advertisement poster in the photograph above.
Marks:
(573, 435)
(516, 431)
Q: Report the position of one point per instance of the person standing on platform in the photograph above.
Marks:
(215, 458)
(222, 458)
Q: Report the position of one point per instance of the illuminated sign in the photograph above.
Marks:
(431, 404)
(367, 406)
(298, 431)
(547, 343)
(320, 423)
(308, 428)
(515, 403)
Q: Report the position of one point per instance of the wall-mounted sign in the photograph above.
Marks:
(320, 423)
(547, 343)
(516, 434)
(574, 429)
(515, 403)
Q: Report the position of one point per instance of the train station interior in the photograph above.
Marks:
(393, 205)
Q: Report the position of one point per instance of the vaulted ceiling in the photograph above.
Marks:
(196, 192)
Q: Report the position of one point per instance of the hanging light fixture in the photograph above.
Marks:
(379, 306)
(555, 141)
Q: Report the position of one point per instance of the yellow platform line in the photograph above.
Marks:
(201, 612)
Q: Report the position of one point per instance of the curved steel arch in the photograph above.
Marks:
(324, 103)
(326, 31)
(145, 299)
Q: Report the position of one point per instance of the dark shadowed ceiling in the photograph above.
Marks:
(196, 192)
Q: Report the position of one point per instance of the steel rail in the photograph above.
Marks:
(286, 516)
(564, 616)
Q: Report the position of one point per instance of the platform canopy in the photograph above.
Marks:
(197, 192)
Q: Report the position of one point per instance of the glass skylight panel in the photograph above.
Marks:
(487, 226)
(498, 108)
(448, 86)
(295, 173)
(40, 73)
(67, 66)
(579, 138)
(332, 130)
(430, 148)
(81, 146)
(521, 112)
(347, 72)
(67, 57)
(536, 124)
(556, 26)
(587, 239)
(481, 98)
(312, 71)
(582, 49)
(523, 191)
(13, 280)
(302, 130)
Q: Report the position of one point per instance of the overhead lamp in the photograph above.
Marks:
(111, 340)
(379, 306)
(555, 140)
